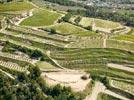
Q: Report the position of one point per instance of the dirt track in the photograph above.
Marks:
(99, 87)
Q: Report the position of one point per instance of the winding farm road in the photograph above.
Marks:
(99, 87)
(121, 67)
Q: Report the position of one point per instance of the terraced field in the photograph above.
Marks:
(85, 22)
(123, 85)
(108, 24)
(103, 96)
(132, 31)
(69, 29)
(92, 57)
(125, 38)
(19, 6)
(41, 52)
(41, 18)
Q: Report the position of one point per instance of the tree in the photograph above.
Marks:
(36, 54)
(13, 97)
(56, 90)
(89, 28)
(53, 31)
(22, 77)
(34, 72)
(66, 17)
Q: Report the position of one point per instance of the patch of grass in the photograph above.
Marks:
(83, 58)
(129, 87)
(15, 6)
(41, 18)
(125, 37)
(132, 31)
(103, 96)
(67, 29)
(113, 43)
(110, 72)
(85, 21)
(106, 24)
(44, 65)
(1, 17)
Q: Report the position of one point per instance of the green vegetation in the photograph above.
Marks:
(103, 96)
(125, 37)
(132, 31)
(68, 29)
(106, 24)
(92, 57)
(95, 61)
(42, 18)
(15, 6)
(45, 65)
(66, 2)
(126, 86)
(64, 41)
(1, 17)
(114, 43)
(106, 14)
(36, 34)
(101, 71)
(85, 21)
(32, 86)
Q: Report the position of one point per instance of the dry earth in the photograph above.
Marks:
(72, 79)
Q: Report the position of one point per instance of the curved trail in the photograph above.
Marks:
(99, 87)
(8, 74)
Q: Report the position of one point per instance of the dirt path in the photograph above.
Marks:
(115, 95)
(8, 74)
(22, 19)
(105, 41)
(123, 31)
(63, 68)
(48, 54)
(1, 47)
(99, 87)
(122, 67)
(34, 5)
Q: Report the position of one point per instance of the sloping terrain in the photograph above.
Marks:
(41, 47)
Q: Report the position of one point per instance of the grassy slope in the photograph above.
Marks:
(106, 24)
(41, 18)
(15, 6)
(132, 31)
(124, 86)
(1, 17)
(125, 37)
(85, 21)
(44, 65)
(95, 60)
(67, 28)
